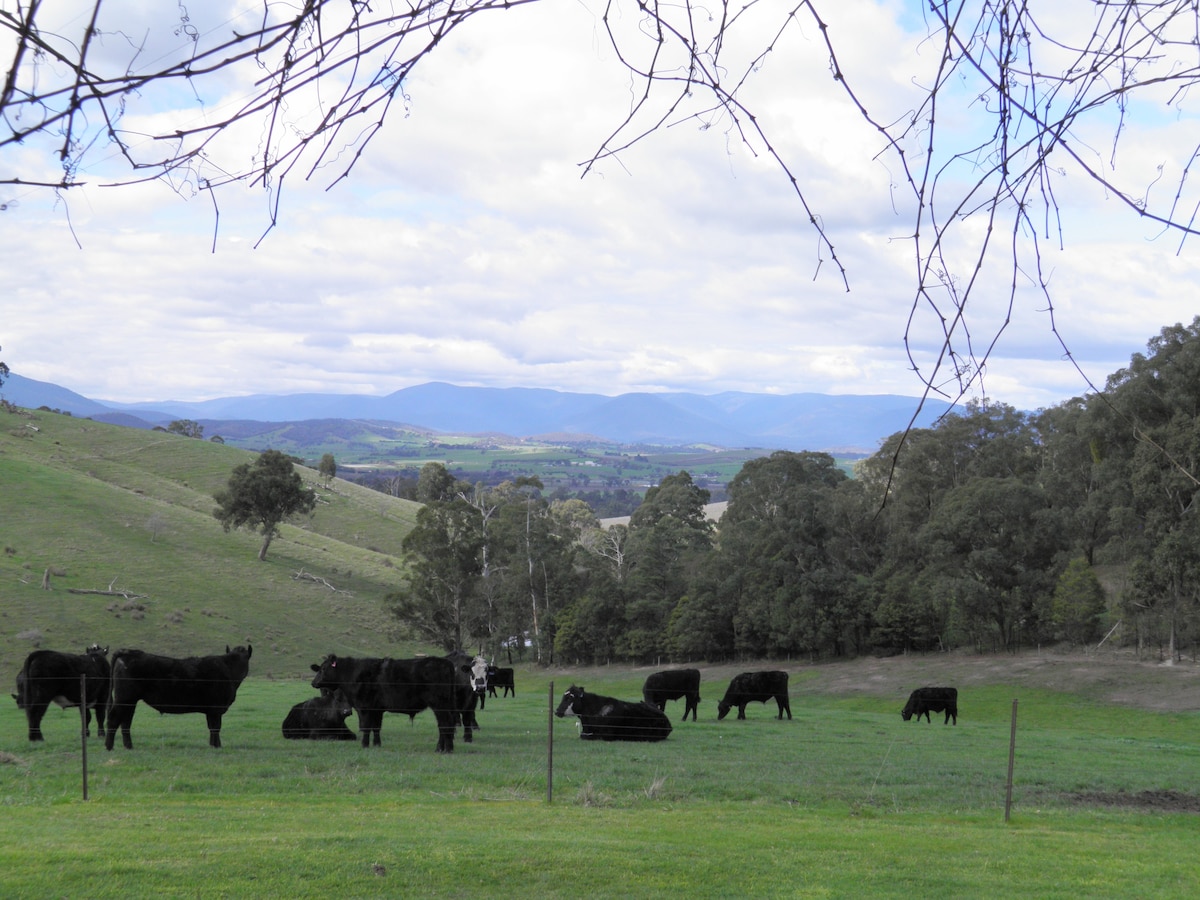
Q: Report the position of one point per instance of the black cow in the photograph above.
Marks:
(607, 719)
(49, 676)
(671, 685)
(756, 687)
(322, 718)
(500, 678)
(925, 700)
(196, 684)
(376, 685)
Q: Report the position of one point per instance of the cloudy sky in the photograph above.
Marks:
(466, 247)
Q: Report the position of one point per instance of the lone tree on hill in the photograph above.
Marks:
(328, 468)
(187, 428)
(263, 494)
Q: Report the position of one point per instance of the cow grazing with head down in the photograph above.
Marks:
(756, 687)
(375, 685)
(671, 685)
(925, 700)
(321, 718)
(500, 678)
(608, 719)
(49, 676)
(196, 684)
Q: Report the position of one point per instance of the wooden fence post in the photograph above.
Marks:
(550, 746)
(1012, 751)
(83, 729)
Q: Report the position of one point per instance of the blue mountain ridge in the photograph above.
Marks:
(733, 419)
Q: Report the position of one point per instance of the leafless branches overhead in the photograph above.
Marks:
(1007, 104)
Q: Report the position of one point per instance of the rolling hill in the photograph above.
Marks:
(108, 536)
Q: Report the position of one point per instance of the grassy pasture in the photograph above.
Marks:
(843, 800)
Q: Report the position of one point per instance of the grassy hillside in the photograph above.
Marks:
(104, 508)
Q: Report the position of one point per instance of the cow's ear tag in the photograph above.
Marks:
(333, 665)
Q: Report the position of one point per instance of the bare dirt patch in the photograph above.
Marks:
(1162, 801)
(1115, 677)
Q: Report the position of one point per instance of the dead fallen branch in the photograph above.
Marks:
(316, 579)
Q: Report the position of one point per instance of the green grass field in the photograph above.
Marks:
(843, 800)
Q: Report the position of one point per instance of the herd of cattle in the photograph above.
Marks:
(452, 687)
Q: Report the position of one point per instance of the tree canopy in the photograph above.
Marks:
(263, 494)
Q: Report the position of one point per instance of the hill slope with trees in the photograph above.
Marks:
(109, 536)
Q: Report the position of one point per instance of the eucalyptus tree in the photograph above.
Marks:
(262, 495)
(777, 572)
(669, 535)
(442, 599)
(998, 541)
(1151, 415)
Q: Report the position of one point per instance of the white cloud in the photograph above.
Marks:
(465, 247)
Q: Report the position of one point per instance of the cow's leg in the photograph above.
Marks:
(741, 710)
(100, 719)
(120, 715)
(214, 729)
(784, 707)
(445, 723)
(33, 714)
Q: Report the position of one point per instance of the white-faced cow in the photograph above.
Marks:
(500, 678)
(473, 677)
(196, 684)
(671, 685)
(376, 685)
(608, 719)
(756, 687)
(925, 700)
(49, 676)
(322, 718)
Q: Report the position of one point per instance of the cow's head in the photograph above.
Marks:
(341, 703)
(327, 674)
(572, 696)
(723, 709)
(97, 650)
(479, 674)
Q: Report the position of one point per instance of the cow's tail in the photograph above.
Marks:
(22, 694)
(117, 667)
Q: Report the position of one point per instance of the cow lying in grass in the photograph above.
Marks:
(322, 718)
(608, 719)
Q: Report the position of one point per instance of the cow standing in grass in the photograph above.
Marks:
(375, 685)
(49, 676)
(608, 719)
(501, 678)
(925, 700)
(196, 684)
(756, 687)
(672, 685)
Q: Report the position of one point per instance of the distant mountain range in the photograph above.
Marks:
(844, 423)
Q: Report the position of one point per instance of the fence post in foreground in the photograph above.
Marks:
(1012, 751)
(550, 746)
(83, 730)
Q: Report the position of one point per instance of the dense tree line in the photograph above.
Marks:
(991, 531)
